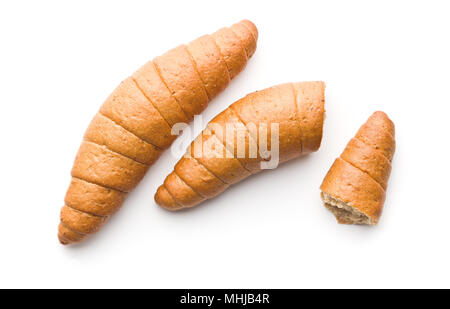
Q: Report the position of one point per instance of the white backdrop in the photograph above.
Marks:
(58, 62)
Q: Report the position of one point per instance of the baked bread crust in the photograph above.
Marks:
(298, 110)
(134, 126)
(357, 180)
(95, 199)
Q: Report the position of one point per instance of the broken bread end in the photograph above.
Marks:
(344, 212)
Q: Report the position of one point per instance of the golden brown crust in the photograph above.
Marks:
(216, 155)
(149, 81)
(246, 36)
(359, 177)
(163, 197)
(251, 26)
(104, 131)
(181, 192)
(208, 60)
(290, 140)
(310, 100)
(231, 49)
(199, 178)
(67, 236)
(378, 132)
(99, 165)
(368, 160)
(274, 105)
(92, 198)
(81, 222)
(233, 133)
(134, 126)
(129, 108)
(381, 120)
(217, 158)
(351, 185)
(178, 72)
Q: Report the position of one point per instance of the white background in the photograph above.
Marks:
(58, 62)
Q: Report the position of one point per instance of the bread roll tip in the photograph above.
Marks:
(354, 189)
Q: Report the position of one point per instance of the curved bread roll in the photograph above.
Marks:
(355, 187)
(234, 144)
(134, 124)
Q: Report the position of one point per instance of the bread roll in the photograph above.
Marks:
(354, 188)
(295, 111)
(134, 125)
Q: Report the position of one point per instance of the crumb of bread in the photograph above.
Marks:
(344, 213)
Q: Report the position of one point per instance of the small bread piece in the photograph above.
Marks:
(350, 185)
(354, 187)
(215, 162)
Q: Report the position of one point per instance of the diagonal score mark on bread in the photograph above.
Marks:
(289, 120)
(354, 189)
(134, 125)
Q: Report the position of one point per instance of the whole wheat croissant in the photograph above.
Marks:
(354, 188)
(296, 108)
(134, 124)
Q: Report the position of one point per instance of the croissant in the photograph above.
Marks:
(234, 145)
(133, 126)
(354, 188)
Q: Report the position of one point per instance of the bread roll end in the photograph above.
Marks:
(165, 200)
(67, 236)
(344, 212)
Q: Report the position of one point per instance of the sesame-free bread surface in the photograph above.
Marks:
(134, 125)
(354, 189)
(211, 163)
